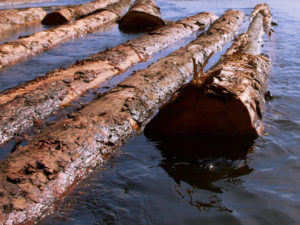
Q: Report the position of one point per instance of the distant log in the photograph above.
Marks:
(25, 47)
(35, 176)
(22, 105)
(144, 15)
(67, 15)
(14, 18)
(228, 99)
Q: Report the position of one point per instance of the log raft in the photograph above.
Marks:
(228, 100)
(34, 100)
(35, 176)
(25, 47)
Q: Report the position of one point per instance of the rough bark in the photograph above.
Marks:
(22, 105)
(13, 18)
(70, 14)
(144, 15)
(25, 47)
(40, 173)
(227, 100)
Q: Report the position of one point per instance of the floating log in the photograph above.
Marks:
(14, 18)
(25, 47)
(70, 14)
(34, 100)
(144, 15)
(35, 176)
(229, 98)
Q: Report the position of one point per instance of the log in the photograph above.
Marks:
(143, 16)
(25, 47)
(13, 18)
(228, 99)
(35, 176)
(70, 14)
(34, 100)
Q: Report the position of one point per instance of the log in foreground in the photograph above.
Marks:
(25, 47)
(14, 18)
(34, 100)
(228, 99)
(70, 14)
(35, 176)
(144, 15)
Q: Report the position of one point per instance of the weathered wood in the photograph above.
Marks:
(35, 176)
(144, 15)
(13, 18)
(228, 99)
(25, 47)
(34, 100)
(70, 14)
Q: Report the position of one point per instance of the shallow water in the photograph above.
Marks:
(209, 181)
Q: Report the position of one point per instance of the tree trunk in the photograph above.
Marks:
(227, 100)
(144, 15)
(70, 14)
(35, 176)
(22, 105)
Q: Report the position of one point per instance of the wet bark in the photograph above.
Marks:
(34, 100)
(13, 18)
(40, 173)
(228, 99)
(70, 14)
(144, 15)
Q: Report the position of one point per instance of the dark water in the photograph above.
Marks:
(196, 180)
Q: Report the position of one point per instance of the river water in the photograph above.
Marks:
(210, 181)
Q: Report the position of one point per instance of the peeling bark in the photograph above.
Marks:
(144, 15)
(25, 47)
(34, 100)
(228, 99)
(35, 176)
(70, 14)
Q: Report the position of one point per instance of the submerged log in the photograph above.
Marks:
(144, 15)
(34, 100)
(14, 18)
(228, 99)
(35, 176)
(67, 15)
(25, 47)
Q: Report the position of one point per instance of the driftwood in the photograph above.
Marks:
(35, 176)
(229, 98)
(67, 15)
(13, 18)
(25, 47)
(34, 100)
(144, 15)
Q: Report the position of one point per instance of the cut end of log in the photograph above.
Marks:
(54, 18)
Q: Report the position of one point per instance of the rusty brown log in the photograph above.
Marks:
(70, 14)
(35, 176)
(144, 15)
(25, 47)
(34, 100)
(228, 99)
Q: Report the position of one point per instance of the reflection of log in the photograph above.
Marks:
(20, 106)
(13, 18)
(25, 47)
(76, 12)
(228, 100)
(35, 176)
(142, 16)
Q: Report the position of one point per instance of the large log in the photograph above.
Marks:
(34, 100)
(25, 47)
(35, 176)
(13, 18)
(70, 14)
(229, 98)
(144, 15)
